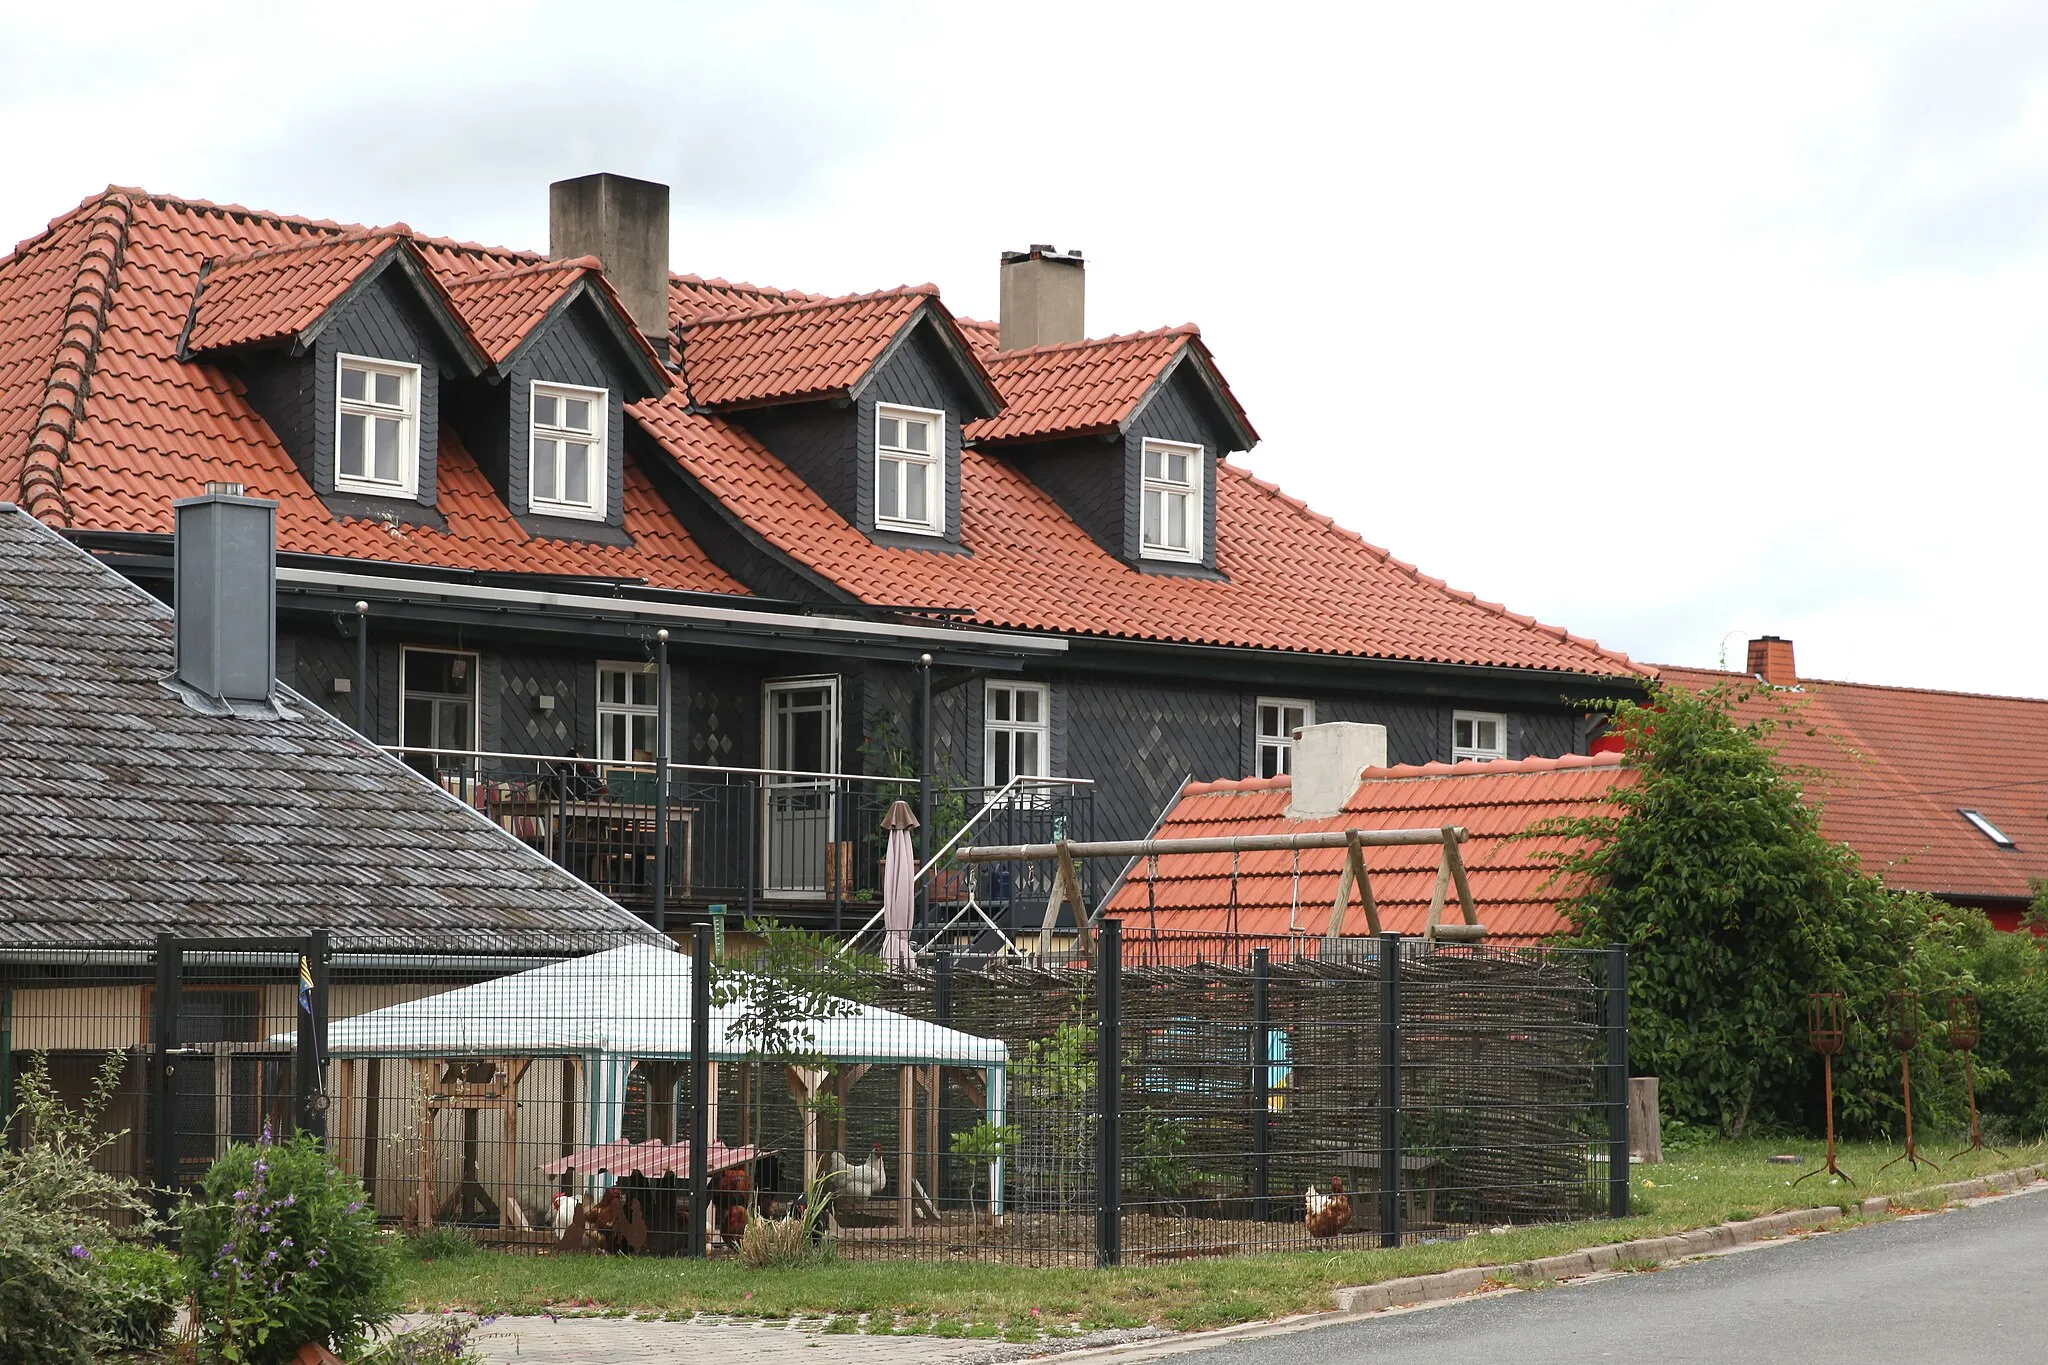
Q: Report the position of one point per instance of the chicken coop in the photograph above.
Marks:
(480, 1105)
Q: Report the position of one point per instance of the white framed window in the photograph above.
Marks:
(437, 706)
(1279, 718)
(567, 472)
(377, 427)
(627, 712)
(1481, 735)
(1016, 732)
(1172, 515)
(910, 485)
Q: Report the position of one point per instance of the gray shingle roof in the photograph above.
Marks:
(125, 814)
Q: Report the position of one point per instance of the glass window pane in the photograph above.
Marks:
(643, 736)
(917, 436)
(546, 472)
(611, 685)
(1027, 706)
(1177, 522)
(389, 390)
(1151, 464)
(643, 689)
(1177, 468)
(892, 433)
(891, 497)
(915, 479)
(352, 438)
(1269, 722)
(387, 449)
(999, 703)
(544, 409)
(1152, 518)
(576, 472)
(1461, 734)
(1027, 754)
(352, 382)
(1269, 760)
(1489, 734)
(576, 413)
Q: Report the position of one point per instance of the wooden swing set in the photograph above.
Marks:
(1352, 879)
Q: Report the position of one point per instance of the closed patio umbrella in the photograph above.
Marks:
(899, 893)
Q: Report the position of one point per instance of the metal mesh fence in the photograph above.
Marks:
(1267, 1094)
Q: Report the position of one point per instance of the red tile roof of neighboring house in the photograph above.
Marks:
(96, 304)
(1083, 387)
(1892, 767)
(808, 349)
(1513, 886)
(278, 292)
(502, 306)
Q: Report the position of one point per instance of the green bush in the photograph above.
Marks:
(55, 1231)
(282, 1248)
(140, 1288)
(441, 1243)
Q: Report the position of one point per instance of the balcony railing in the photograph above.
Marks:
(758, 840)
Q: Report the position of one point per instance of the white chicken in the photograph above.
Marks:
(563, 1216)
(855, 1183)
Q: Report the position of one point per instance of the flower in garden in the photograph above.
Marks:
(77, 1251)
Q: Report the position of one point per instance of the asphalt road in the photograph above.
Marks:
(1962, 1286)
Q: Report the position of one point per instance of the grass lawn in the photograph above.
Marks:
(1696, 1188)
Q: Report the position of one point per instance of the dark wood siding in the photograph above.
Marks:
(383, 322)
(816, 440)
(1086, 477)
(567, 350)
(1179, 411)
(913, 376)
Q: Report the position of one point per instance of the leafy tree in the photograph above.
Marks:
(789, 983)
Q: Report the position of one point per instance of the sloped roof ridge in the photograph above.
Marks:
(395, 231)
(41, 491)
(741, 286)
(1807, 683)
(1185, 329)
(1530, 623)
(1408, 772)
(809, 305)
(540, 267)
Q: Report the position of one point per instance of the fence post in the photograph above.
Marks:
(1262, 1078)
(700, 1088)
(660, 906)
(752, 854)
(942, 1013)
(1108, 1093)
(1390, 1090)
(311, 1050)
(164, 1147)
(1617, 1081)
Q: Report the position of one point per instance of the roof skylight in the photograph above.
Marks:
(1988, 830)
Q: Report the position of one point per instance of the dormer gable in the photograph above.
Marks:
(342, 344)
(1125, 432)
(546, 420)
(864, 398)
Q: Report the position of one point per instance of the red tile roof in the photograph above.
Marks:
(811, 349)
(502, 306)
(1513, 888)
(1292, 579)
(152, 429)
(261, 296)
(1891, 767)
(1084, 387)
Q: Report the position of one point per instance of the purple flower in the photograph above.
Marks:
(77, 1251)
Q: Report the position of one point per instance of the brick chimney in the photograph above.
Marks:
(624, 223)
(1043, 295)
(1327, 761)
(1770, 658)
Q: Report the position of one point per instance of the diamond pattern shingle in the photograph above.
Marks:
(1511, 878)
(127, 814)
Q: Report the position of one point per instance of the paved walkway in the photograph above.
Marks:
(602, 1341)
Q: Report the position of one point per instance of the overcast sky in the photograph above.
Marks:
(1671, 326)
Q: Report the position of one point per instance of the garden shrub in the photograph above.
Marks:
(441, 1243)
(282, 1248)
(56, 1223)
(140, 1288)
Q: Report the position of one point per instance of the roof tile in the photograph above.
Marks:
(797, 350)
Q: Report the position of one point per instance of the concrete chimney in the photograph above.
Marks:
(1770, 658)
(1044, 293)
(225, 563)
(1327, 761)
(624, 223)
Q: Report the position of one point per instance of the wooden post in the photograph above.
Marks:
(1352, 875)
(803, 1088)
(931, 1135)
(1645, 1129)
(1443, 884)
(373, 1124)
(1456, 862)
(423, 1073)
(906, 1144)
(1066, 890)
(510, 1215)
(345, 1085)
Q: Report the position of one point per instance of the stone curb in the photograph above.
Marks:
(1451, 1284)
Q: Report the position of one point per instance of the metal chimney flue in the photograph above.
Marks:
(225, 563)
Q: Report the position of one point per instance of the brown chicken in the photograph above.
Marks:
(1327, 1214)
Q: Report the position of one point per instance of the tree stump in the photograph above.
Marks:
(1645, 1132)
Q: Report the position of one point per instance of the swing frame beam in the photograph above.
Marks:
(1067, 882)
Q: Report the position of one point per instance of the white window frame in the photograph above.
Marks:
(1001, 734)
(1281, 746)
(627, 711)
(1192, 490)
(598, 471)
(1981, 822)
(1472, 752)
(408, 483)
(476, 707)
(932, 461)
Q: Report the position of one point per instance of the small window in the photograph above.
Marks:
(1989, 830)
(1173, 501)
(1478, 735)
(1016, 732)
(569, 471)
(437, 708)
(377, 428)
(1279, 718)
(910, 493)
(626, 712)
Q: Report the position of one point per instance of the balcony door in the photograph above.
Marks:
(437, 708)
(800, 724)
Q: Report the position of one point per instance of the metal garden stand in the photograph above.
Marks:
(1825, 1031)
(1902, 1022)
(1964, 1032)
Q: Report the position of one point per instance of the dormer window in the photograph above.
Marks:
(909, 480)
(1478, 736)
(569, 468)
(377, 428)
(1172, 522)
